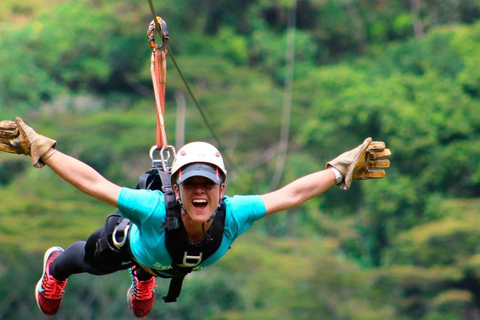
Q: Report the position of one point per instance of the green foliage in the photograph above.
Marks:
(22, 82)
(405, 247)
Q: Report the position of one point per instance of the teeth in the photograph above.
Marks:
(199, 201)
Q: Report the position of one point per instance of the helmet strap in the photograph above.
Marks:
(205, 233)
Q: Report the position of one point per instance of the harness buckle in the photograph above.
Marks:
(187, 260)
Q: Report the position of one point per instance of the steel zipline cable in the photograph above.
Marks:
(231, 164)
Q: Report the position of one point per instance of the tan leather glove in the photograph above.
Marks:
(18, 138)
(366, 161)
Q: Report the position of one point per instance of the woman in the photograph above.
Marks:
(207, 219)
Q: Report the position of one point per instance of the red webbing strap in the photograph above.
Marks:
(158, 68)
(159, 75)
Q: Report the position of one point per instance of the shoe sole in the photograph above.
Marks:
(39, 283)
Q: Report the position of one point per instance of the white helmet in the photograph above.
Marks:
(198, 153)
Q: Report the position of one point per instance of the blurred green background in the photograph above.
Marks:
(405, 72)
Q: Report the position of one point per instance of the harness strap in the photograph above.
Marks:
(171, 203)
(172, 223)
(158, 69)
(175, 286)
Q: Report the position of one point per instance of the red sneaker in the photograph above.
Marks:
(140, 295)
(49, 291)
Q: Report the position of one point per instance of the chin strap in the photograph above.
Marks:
(205, 233)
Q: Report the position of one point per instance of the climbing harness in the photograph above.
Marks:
(186, 256)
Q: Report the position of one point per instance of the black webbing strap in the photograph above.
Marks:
(171, 223)
(176, 285)
(158, 179)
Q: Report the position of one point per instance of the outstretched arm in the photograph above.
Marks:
(366, 161)
(84, 177)
(299, 191)
(18, 138)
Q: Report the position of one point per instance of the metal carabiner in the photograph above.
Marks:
(152, 30)
(165, 157)
(125, 226)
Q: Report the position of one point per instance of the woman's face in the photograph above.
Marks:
(200, 197)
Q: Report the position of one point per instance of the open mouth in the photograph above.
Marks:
(199, 203)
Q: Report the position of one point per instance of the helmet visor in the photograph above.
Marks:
(199, 169)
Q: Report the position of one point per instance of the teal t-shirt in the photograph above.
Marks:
(146, 210)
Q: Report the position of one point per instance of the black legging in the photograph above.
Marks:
(72, 261)
(84, 256)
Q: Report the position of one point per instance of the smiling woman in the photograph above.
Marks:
(163, 238)
(198, 176)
